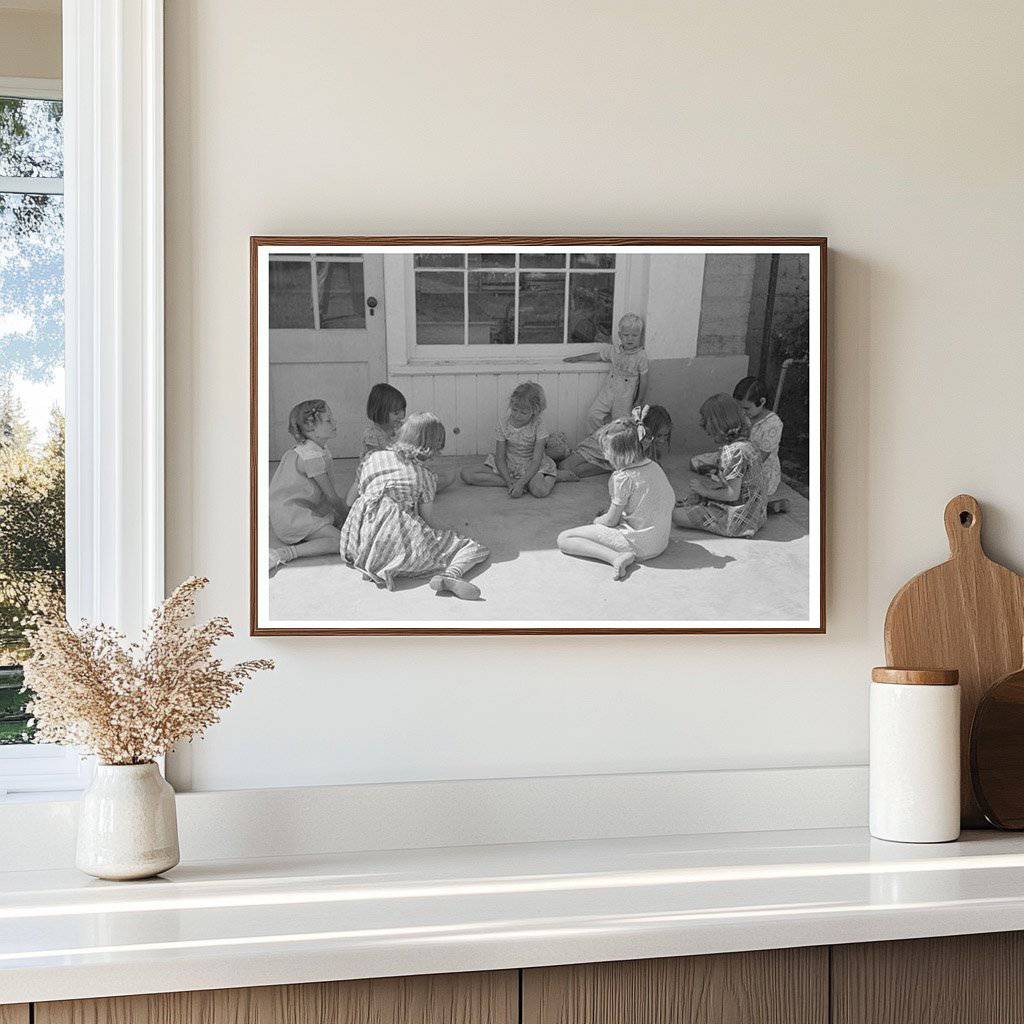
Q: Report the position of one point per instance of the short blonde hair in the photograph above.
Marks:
(620, 441)
(633, 320)
(304, 417)
(420, 437)
(531, 392)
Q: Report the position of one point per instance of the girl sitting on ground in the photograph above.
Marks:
(728, 496)
(638, 522)
(519, 462)
(305, 508)
(765, 433)
(587, 458)
(390, 531)
(385, 411)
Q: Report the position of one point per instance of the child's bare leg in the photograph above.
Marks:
(445, 478)
(689, 517)
(540, 486)
(452, 578)
(580, 467)
(481, 476)
(582, 542)
(325, 541)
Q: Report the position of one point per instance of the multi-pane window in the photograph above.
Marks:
(31, 383)
(514, 298)
(320, 292)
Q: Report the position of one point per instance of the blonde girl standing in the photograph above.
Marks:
(638, 522)
(626, 383)
(729, 495)
(390, 530)
(519, 462)
(305, 508)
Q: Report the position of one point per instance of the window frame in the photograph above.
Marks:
(404, 353)
(112, 88)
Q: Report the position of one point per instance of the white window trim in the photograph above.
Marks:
(114, 323)
(406, 358)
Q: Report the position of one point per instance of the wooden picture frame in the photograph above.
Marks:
(667, 286)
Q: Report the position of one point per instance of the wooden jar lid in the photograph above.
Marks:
(916, 676)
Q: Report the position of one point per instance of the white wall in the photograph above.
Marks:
(895, 129)
(30, 39)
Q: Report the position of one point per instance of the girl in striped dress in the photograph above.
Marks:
(390, 531)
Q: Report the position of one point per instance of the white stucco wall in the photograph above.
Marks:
(884, 126)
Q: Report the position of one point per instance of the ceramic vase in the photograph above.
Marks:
(127, 825)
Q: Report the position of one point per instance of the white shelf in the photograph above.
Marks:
(234, 923)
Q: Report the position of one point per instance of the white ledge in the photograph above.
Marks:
(485, 366)
(271, 921)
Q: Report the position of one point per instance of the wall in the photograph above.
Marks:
(892, 128)
(30, 39)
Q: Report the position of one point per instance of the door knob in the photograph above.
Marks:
(372, 303)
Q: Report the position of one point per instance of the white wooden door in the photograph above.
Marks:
(326, 341)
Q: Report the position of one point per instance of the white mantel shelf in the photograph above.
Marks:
(223, 924)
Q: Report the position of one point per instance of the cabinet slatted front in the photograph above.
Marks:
(964, 979)
(776, 986)
(961, 979)
(477, 998)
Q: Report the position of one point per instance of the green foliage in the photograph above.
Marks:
(31, 544)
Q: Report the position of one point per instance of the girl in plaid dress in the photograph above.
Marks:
(730, 493)
(390, 531)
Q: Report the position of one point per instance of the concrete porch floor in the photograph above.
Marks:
(700, 577)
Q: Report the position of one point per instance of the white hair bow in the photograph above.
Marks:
(639, 415)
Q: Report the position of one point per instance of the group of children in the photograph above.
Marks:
(385, 525)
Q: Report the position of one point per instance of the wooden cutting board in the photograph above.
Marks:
(967, 614)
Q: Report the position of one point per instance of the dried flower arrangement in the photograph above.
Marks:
(130, 703)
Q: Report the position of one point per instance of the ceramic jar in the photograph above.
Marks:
(915, 755)
(127, 825)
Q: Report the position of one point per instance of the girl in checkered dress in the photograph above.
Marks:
(390, 531)
(729, 488)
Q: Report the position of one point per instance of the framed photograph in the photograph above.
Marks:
(537, 435)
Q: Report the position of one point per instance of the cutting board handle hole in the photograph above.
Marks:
(966, 519)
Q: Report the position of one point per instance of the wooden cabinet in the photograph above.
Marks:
(479, 998)
(963, 979)
(778, 986)
(967, 979)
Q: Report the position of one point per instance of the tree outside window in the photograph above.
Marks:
(31, 385)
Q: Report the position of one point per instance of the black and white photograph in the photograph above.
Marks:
(544, 435)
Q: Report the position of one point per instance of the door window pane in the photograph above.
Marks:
(492, 259)
(291, 294)
(592, 261)
(492, 309)
(541, 309)
(31, 139)
(434, 259)
(537, 260)
(440, 309)
(341, 296)
(591, 297)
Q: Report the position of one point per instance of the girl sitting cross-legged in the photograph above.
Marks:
(519, 462)
(587, 458)
(638, 522)
(390, 531)
(729, 489)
